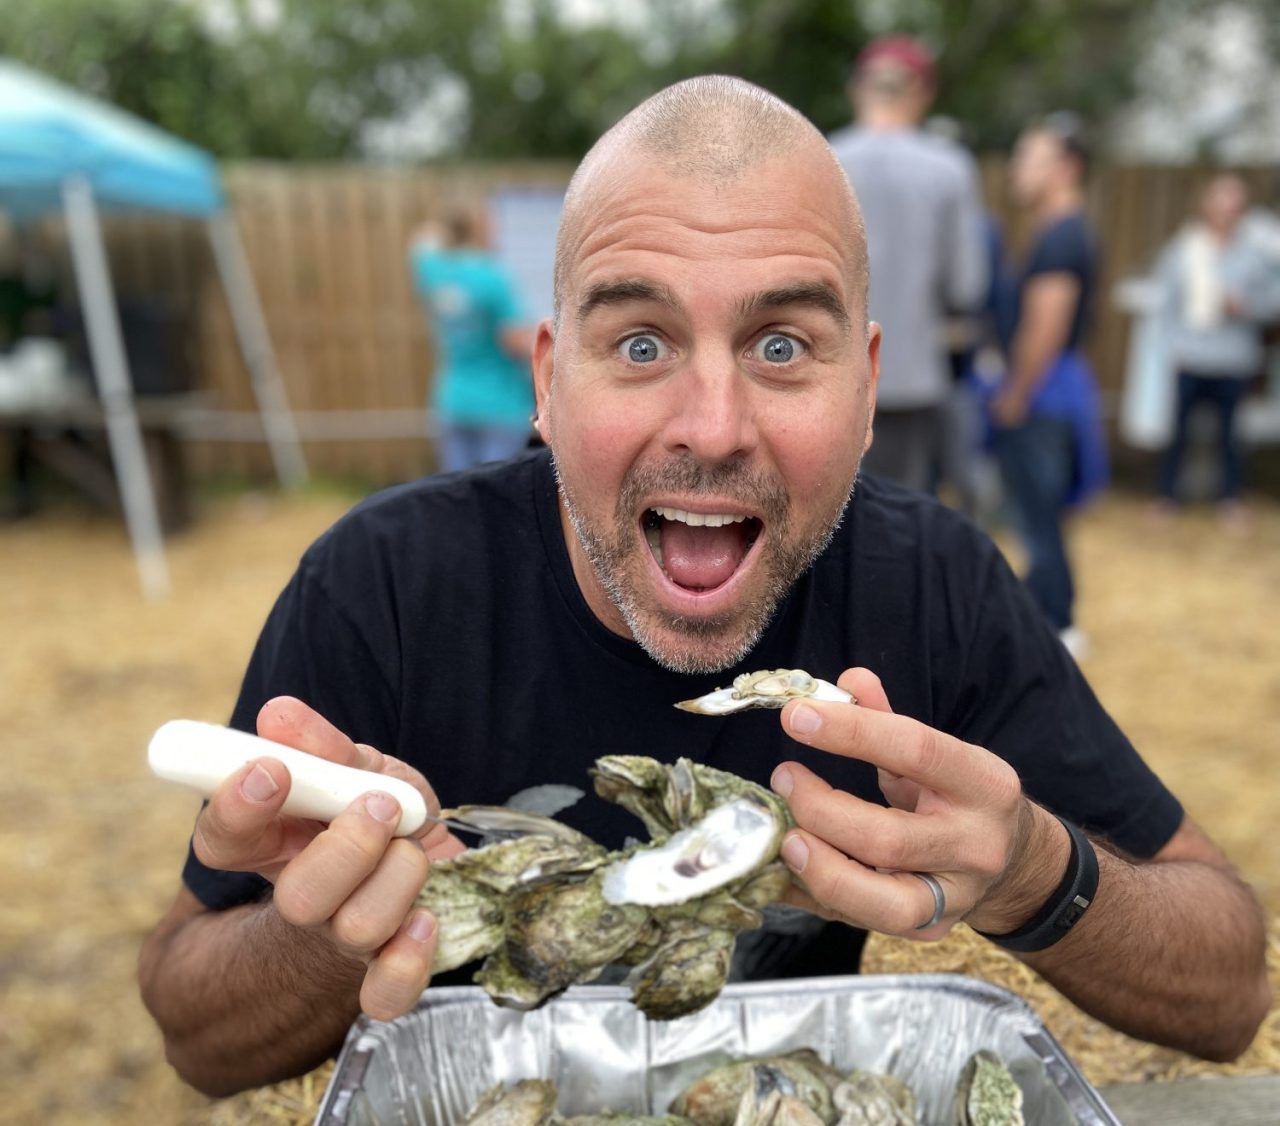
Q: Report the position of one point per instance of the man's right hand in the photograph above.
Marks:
(350, 881)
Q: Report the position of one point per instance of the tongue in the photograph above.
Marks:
(702, 558)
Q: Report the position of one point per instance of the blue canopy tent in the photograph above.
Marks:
(62, 151)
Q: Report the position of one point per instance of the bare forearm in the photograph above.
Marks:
(1173, 952)
(244, 999)
(1033, 349)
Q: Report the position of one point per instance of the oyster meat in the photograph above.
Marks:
(770, 688)
(987, 1093)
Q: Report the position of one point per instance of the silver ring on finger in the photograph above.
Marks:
(939, 900)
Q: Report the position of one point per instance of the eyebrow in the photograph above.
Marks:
(814, 294)
(622, 292)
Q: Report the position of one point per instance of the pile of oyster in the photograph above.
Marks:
(551, 908)
(548, 907)
(796, 1089)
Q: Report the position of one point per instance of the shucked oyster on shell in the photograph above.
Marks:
(552, 908)
(770, 688)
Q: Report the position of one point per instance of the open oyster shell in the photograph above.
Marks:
(770, 688)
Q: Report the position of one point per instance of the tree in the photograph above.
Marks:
(532, 80)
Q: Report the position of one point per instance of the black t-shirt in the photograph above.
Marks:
(1065, 247)
(440, 622)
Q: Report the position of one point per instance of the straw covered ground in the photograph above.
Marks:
(1185, 653)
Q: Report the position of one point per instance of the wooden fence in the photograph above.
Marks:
(327, 246)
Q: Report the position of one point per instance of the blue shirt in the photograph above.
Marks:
(471, 302)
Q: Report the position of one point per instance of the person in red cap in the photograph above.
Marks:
(925, 237)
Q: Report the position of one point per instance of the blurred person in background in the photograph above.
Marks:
(1220, 282)
(706, 389)
(1047, 427)
(483, 395)
(922, 208)
(28, 304)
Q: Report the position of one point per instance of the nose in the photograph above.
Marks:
(713, 413)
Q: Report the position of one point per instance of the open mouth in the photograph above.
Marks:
(699, 551)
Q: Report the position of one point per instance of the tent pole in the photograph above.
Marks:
(111, 370)
(255, 346)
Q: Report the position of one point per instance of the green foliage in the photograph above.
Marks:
(534, 83)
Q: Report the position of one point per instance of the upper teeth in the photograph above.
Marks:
(700, 519)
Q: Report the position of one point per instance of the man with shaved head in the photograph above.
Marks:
(706, 390)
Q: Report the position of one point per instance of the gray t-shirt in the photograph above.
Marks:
(922, 205)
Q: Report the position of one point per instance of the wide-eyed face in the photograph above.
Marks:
(707, 398)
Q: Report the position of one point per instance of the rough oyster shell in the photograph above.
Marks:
(558, 934)
(770, 1099)
(715, 1098)
(867, 1098)
(987, 1093)
(468, 893)
(530, 1102)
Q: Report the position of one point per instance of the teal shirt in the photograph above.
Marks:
(471, 302)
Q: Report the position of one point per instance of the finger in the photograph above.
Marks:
(287, 720)
(442, 848)
(876, 836)
(796, 896)
(339, 860)
(431, 834)
(240, 828)
(371, 915)
(902, 746)
(398, 975)
(891, 902)
(866, 688)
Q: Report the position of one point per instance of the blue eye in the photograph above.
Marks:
(778, 348)
(642, 349)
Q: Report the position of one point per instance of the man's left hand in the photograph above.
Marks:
(956, 812)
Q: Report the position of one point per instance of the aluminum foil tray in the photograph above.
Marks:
(428, 1067)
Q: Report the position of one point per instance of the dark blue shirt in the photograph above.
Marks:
(1065, 246)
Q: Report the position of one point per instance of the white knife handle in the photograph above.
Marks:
(204, 755)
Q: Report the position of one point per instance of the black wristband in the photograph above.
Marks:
(1064, 907)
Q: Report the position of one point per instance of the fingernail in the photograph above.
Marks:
(421, 926)
(382, 806)
(805, 721)
(795, 853)
(782, 783)
(258, 785)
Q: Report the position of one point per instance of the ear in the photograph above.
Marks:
(874, 337)
(544, 347)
